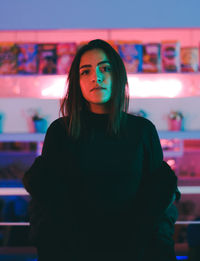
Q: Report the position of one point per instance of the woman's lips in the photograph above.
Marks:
(98, 89)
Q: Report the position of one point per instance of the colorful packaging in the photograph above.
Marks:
(189, 59)
(151, 58)
(8, 58)
(65, 56)
(131, 54)
(47, 59)
(27, 58)
(170, 56)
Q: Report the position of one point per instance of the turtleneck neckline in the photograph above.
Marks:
(97, 115)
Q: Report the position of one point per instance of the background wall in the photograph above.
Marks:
(16, 109)
(51, 14)
(110, 16)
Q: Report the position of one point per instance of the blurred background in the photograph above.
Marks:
(159, 43)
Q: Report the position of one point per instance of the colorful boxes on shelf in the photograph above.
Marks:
(47, 59)
(56, 58)
(65, 54)
(189, 59)
(131, 54)
(170, 56)
(151, 58)
(8, 58)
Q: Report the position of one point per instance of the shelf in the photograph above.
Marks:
(13, 192)
(23, 137)
(23, 192)
(173, 154)
(32, 86)
(141, 85)
(12, 153)
(39, 137)
(189, 189)
(12, 251)
(183, 135)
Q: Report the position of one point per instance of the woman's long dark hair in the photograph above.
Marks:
(74, 103)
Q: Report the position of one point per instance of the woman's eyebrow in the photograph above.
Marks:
(103, 62)
(85, 66)
(89, 65)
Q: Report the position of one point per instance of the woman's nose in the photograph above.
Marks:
(97, 76)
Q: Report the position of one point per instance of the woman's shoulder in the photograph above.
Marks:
(56, 134)
(138, 121)
(60, 122)
(58, 126)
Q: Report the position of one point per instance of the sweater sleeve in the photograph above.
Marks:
(54, 140)
(40, 178)
(152, 148)
(157, 188)
(159, 181)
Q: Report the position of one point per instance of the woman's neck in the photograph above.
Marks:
(98, 108)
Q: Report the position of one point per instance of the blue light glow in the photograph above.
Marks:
(181, 258)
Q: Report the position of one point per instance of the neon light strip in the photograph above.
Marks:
(187, 222)
(182, 257)
(190, 189)
(28, 224)
(39, 137)
(26, 137)
(23, 192)
(14, 224)
(143, 87)
(13, 191)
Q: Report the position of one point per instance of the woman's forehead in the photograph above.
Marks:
(93, 57)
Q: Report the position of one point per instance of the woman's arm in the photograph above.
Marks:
(40, 178)
(161, 194)
(156, 193)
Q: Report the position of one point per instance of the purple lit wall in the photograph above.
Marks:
(48, 14)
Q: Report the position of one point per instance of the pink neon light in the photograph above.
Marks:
(147, 88)
(13, 191)
(56, 89)
(140, 85)
(171, 163)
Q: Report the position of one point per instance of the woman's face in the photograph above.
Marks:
(96, 80)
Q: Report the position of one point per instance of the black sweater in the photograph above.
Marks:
(100, 194)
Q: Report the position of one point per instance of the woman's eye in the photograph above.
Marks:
(85, 72)
(106, 69)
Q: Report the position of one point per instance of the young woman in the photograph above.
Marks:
(100, 190)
